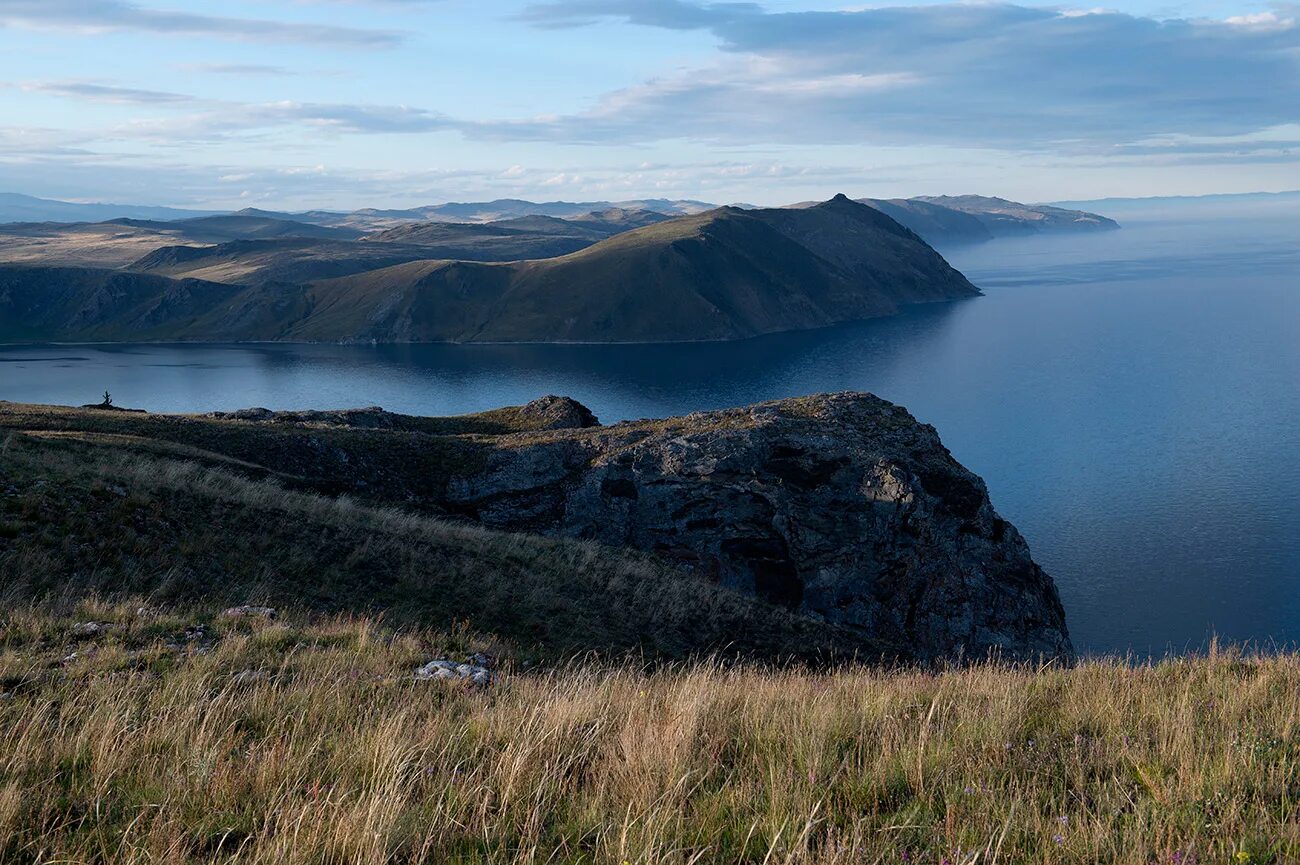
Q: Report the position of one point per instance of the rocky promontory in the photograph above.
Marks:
(842, 508)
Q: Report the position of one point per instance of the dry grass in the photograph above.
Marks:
(137, 751)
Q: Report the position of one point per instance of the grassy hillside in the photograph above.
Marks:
(113, 514)
(292, 260)
(724, 274)
(51, 303)
(305, 740)
(120, 242)
(635, 714)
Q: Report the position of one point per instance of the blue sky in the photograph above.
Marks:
(352, 103)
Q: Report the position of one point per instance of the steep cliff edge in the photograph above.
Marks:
(841, 508)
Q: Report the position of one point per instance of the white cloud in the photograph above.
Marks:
(1262, 21)
(106, 93)
(984, 75)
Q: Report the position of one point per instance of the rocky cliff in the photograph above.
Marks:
(842, 508)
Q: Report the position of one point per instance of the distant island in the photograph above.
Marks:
(938, 219)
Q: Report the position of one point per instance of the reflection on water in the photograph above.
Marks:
(1130, 398)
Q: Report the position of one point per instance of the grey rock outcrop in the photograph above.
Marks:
(451, 671)
(842, 507)
(558, 412)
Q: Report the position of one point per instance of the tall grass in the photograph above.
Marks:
(137, 750)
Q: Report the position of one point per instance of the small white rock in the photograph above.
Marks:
(250, 611)
(91, 629)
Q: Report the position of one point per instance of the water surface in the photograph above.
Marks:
(1131, 398)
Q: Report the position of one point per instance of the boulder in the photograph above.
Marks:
(456, 672)
(558, 412)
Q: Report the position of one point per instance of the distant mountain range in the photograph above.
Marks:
(944, 220)
(726, 273)
(1251, 205)
(1288, 195)
(495, 211)
(25, 208)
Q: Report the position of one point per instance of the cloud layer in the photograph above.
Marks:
(989, 75)
(748, 99)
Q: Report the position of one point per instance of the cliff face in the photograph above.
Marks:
(842, 507)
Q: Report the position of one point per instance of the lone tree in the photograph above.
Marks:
(108, 400)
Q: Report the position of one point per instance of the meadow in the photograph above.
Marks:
(177, 735)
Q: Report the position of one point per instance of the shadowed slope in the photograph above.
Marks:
(724, 274)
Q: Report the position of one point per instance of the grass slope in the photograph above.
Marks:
(120, 242)
(725, 274)
(305, 740)
(91, 304)
(115, 515)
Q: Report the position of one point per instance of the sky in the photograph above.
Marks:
(341, 104)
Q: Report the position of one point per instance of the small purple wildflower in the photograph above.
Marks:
(1058, 839)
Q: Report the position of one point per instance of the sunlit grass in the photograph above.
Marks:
(147, 747)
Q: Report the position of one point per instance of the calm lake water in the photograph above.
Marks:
(1132, 400)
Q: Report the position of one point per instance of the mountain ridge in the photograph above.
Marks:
(368, 220)
(723, 274)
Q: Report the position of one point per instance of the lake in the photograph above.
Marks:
(1131, 398)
